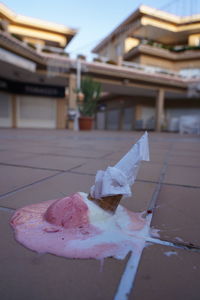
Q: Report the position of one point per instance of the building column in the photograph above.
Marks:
(138, 123)
(61, 113)
(72, 99)
(138, 112)
(160, 109)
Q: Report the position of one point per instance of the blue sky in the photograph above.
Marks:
(93, 18)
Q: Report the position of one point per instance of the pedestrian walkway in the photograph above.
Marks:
(39, 165)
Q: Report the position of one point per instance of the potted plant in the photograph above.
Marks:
(87, 97)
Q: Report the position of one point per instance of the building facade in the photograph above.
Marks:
(30, 97)
(155, 42)
(148, 67)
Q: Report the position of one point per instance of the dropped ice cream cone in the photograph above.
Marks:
(75, 227)
(108, 203)
(115, 182)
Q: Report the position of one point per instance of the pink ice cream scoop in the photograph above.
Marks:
(69, 212)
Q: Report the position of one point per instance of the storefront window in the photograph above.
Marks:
(113, 119)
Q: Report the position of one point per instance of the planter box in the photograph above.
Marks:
(86, 123)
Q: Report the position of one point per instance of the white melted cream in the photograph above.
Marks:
(105, 235)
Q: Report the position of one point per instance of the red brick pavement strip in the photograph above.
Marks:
(168, 189)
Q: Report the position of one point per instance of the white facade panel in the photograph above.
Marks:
(100, 120)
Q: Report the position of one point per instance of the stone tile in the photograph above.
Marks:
(92, 166)
(155, 156)
(189, 176)
(187, 154)
(184, 160)
(69, 183)
(61, 163)
(56, 187)
(12, 156)
(27, 275)
(3, 147)
(177, 214)
(167, 277)
(115, 155)
(159, 146)
(78, 152)
(187, 146)
(35, 148)
(148, 171)
(141, 195)
(16, 177)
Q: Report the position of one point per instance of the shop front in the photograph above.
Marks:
(25, 105)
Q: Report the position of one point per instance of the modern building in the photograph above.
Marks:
(154, 42)
(148, 66)
(29, 95)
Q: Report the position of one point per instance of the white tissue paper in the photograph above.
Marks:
(117, 180)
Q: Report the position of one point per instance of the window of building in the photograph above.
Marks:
(197, 41)
(190, 72)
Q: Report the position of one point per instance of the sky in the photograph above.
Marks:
(94, 19)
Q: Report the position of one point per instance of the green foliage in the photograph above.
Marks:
(91, 91)
(17, 37)
(173, 48)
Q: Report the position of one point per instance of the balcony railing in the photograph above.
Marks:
(150, 69)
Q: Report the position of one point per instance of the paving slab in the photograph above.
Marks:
(56, 187)
(27, 275)
(167, 273)
(66, 184)
(92, 165)
(182, 175)
(186, 153)
(157, 156)
(55, 149)
(177, 214)
(159, 145)
(79, 152)
(187, 146)
(10, 156)
(148, 171)
(163, 271)
(35, 148)
(183, 160)
(142, 193)
(13, 178)
(52, 162)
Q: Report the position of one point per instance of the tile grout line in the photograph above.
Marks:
(59, 173)
(7, 209)
(154, 197)
(71, 170)
(31, 167)
(127, 280)
(28, 185)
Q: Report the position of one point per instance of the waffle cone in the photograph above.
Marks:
(108, 203)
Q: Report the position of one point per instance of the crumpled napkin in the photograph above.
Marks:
(117, 180)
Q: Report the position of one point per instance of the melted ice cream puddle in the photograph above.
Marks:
(105, 235)
(77, 227)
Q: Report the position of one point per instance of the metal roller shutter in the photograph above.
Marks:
(5, 110)
(36, 112)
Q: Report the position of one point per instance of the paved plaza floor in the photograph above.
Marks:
(39, 165)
